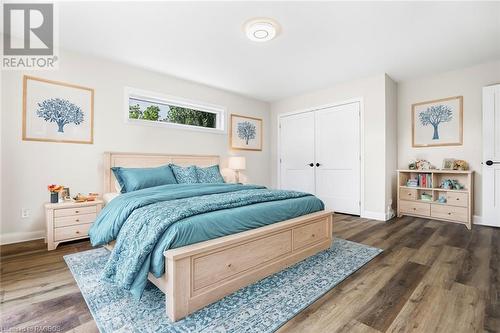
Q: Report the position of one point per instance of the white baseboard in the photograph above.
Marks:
(17, 237)
(379, 216)
(477, 219)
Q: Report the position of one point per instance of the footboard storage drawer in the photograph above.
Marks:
(220, 265)
(309, 234)
(419, 208)
(449, 212)
(74, 231)
(202, 273)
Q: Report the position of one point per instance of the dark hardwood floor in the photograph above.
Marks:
(432, 277)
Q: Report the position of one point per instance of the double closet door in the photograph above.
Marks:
(320, 154)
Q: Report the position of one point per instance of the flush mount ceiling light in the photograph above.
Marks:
(261, 29)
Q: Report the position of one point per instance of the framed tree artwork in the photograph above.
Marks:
(245, 133)
(57, 112)
(438, 122)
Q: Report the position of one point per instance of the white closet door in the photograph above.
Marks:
(338, 158)
(297, 152)
(491, 156)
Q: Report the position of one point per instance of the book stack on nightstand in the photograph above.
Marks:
(68, 221)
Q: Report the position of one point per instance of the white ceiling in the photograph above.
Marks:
(322, 43)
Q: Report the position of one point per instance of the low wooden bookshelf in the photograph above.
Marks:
(459, 203)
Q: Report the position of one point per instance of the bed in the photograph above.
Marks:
(201, 273)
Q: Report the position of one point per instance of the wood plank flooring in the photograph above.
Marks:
(432, 277)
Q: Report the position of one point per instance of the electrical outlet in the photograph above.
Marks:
(25, 213)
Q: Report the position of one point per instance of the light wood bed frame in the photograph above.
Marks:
(202, 273)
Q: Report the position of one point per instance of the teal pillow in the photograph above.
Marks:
(185, 175)
(133, 179)
(210, 174)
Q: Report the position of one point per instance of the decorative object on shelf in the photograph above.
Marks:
(245, 133)
(423, 165)
(413, 182)
(448, 163)
(426, 196)
(54, 192)
(442, 198)
(412, 165)
(237, 163)
(451, 184)
(438, 122)
(460, 165)
(57, 111)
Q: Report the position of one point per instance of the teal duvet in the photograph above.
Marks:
(147, 222)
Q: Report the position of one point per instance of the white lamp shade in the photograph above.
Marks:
(237, 163)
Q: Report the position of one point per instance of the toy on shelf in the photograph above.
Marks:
(460, 165)
(451, 184)
(420, 165)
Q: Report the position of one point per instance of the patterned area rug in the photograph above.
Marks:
(262, 307)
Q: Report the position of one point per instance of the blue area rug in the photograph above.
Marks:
(261, 307)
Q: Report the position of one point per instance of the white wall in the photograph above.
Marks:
(28, 167)
(391, 145)
(467, 82)
(372, 91)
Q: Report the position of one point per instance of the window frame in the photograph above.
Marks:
(159, 98)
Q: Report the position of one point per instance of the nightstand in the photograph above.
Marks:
(68, 221)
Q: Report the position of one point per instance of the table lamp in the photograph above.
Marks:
(237, 163)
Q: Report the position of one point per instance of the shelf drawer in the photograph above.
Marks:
(74, 231)
(408, 194)
(450, 212)
(419, 208)
(75, 211)
(457, 199)
(74, 219)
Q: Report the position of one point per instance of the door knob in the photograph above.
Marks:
(490, 162)
(317, 164)
(311, 164)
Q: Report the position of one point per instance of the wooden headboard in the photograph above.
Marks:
(145, 160)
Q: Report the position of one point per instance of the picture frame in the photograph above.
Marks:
(438, 122)
(448, 164)
(55, 111)
(245, 133)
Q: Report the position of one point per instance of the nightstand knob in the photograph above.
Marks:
(77, 220)
(449, 213)
(77, 232)
(458, 198)
(77, 211)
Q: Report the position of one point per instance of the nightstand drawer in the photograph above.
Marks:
(75, 211)
(74, 219)
(74, 231)
(457, 199)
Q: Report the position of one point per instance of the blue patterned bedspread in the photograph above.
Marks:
(147, 222)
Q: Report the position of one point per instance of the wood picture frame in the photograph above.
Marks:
(422, 134)
(44, 131)
(237, 141)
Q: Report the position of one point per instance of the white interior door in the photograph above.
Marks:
(491, 156)
(338, 157)
(297, 152)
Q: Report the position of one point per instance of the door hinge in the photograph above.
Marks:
(280, 160)
(279, 125)
(359, 203)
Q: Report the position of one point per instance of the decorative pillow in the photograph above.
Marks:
(133, 179)
(210, 174)
(185, 175)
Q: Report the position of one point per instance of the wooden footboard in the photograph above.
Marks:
(202, 273)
